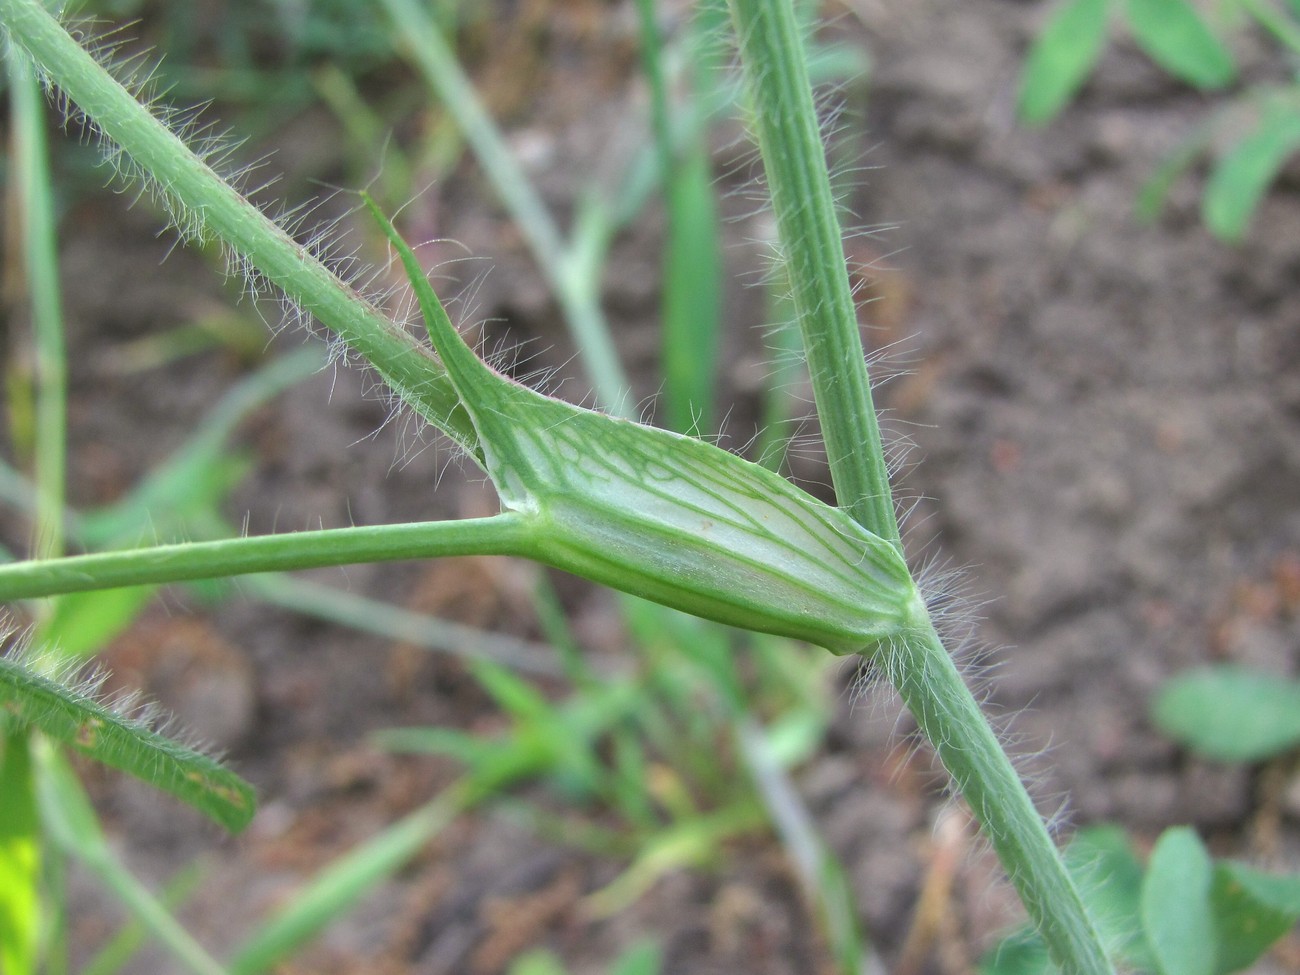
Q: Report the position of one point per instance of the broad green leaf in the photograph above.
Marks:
(1173, 34)
(1176, 904)
(20, 856)
(1061, 58)
(73, 717)
(1240, 179)
(1252, 909)
(1229, 713)
(670, 518)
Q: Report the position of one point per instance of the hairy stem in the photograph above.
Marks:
(507, 534)
(199, 195)
(785, 120)
(918, 664)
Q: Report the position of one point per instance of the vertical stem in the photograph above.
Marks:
(917, 664)
(41, 271)
(790, 140)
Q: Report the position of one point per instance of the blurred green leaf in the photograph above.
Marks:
(1230, 714)
(84, 622)
(1240, 178)
(1061, 58)
(1252, 909)
(537, 962)
(1109, 875)
(1176, 904)
(640, 959)
(692, 301)
(1173, 34)
(20, 857)
(1151, 197)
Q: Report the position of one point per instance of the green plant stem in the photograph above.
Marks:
(200, 198)
(918, 664)
(505, 534)
(571, 278)
(41, 270)
(790, 141)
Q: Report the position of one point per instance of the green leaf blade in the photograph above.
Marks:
(73, 717)
(1230, 714)
(1061, 58)
(1173, 35)
(1176, 905)
(1241, 177)
(1252, 909)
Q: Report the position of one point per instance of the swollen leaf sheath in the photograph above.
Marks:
(672, 518)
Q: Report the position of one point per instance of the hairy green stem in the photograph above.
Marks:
(917, 664)
(200, 196)
(785, 120)
(506, 534)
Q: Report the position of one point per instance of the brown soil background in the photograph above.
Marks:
(1106, 419)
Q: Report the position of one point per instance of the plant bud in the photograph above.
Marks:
(671, 518)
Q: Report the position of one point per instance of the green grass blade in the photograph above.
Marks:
(342, 884)
(20, 855)
(1177, 39)
(692, 300)
(132, 936)
(68, 816)
(73, 717)
(1240, 179)
(1061, 58)
(35, 213)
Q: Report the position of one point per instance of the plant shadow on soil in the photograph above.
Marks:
(1107, 428)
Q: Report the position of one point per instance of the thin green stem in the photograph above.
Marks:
(577, 290)
(788, 137)
(506, 534)
(201, 199)
(917, 663)
(41, 270)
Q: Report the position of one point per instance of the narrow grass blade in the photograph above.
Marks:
(20, 855)
(341, 885)
(692, 320)
(1177, 39)
(118, 952)
(1061, 58)
(72, 716)
(1240, 179)
(68, 816)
